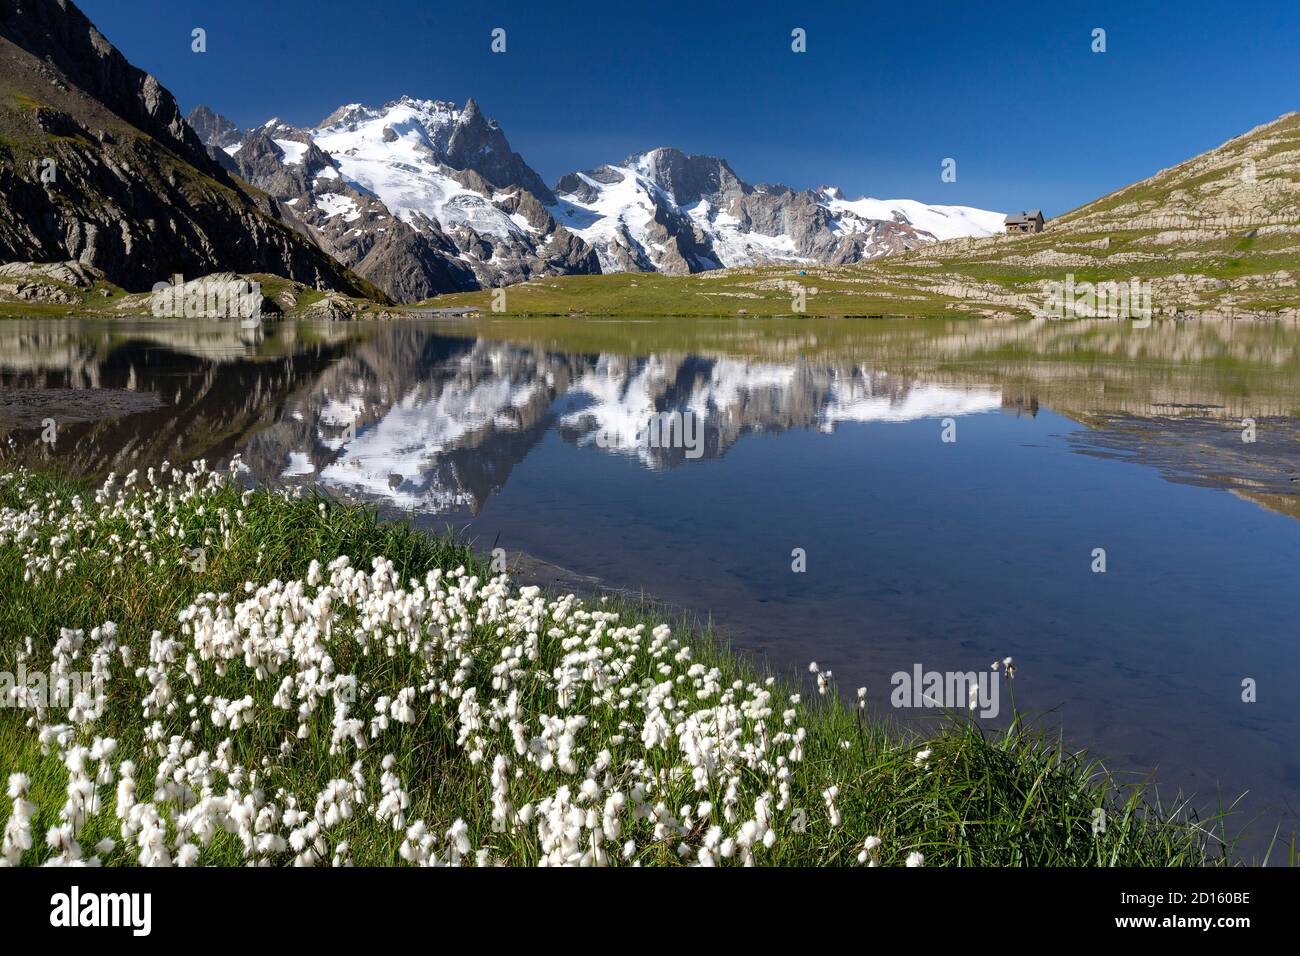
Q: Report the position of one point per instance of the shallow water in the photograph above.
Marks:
(820, 435)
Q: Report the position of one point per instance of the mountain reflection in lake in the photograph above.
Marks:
(819, 435)
(447, 431)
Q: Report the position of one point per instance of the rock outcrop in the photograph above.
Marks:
(98, 166)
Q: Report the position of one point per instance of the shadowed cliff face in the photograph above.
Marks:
(98, 166)
(58, 34)
(478, 143)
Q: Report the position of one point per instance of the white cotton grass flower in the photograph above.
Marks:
(187, 855)
(599, 740)
(823, 678)
(63, 842)
(870, 853)
(829, 795)
(394, 800)
(915, 859)
(17, 786)
(17, 838)
(922, 759)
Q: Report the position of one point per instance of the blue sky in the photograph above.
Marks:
(885, 92)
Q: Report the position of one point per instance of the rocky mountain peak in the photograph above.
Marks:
(345, 115)
(420, 196)
(688, 178)
(213, 128)
(675, 212)
(479, 144)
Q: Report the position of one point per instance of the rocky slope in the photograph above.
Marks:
(98, 166)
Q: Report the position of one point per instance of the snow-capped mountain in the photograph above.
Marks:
(424, 196)
(670, 212)
(429, 158)
(419, 196)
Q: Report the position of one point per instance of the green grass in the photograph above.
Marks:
(99, 298)
(830, 291)
(988, 798)
(899, 285)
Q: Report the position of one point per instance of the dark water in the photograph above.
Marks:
(820, 436)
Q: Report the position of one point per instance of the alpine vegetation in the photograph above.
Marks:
(323, 689)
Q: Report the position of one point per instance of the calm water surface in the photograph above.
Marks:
(824, 436)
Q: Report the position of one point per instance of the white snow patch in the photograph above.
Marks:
(942, 222)
(293, 150)
(859, 399)
(334, 204)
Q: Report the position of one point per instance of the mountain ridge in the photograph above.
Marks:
(449, 173)
(419, 198)
(696, 213)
